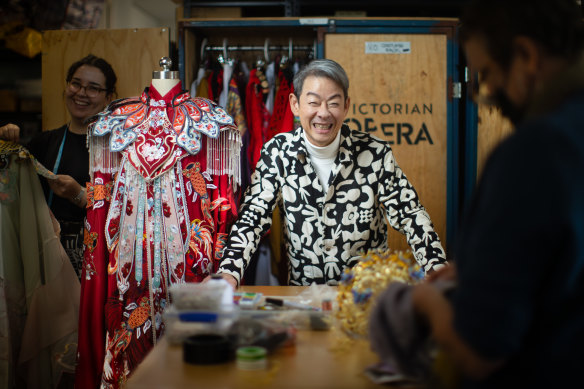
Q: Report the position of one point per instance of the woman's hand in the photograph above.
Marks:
(10, 132)
(65, 186)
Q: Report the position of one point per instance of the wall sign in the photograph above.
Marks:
(388, 48)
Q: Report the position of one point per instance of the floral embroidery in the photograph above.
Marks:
(10, 148)
(89, 239)
(194, 116)
(7, 187)
(220, 245)
(200, 235)
(8, 191)
(90, 270)
(97, 193)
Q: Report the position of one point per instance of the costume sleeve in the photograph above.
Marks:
(94, 278)
(407, 215)
(94, 274)
(225, 213)
(255, 216)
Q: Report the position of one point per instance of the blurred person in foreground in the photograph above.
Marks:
(515, 318)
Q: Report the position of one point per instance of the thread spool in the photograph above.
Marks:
(251, 358)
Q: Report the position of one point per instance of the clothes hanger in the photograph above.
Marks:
(203, 55)
(266, 50)
(286, 59)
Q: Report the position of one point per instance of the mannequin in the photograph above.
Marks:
(160, 204)
(164, 80)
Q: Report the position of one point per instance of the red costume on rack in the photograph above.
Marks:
(282, 120)
(258, 116)
(161, 201)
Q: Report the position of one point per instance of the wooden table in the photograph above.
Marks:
(319, 359)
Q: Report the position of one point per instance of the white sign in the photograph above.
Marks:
(388, 48)
(313, 21)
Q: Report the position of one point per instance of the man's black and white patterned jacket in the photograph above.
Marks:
(327, 232)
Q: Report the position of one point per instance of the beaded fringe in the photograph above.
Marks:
(100, 157)
(223, 155)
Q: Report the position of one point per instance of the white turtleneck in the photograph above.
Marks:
(323, 158)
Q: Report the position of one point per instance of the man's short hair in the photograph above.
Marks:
(322, 68)
(555, 24)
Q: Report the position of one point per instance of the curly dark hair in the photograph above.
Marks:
(555, 24)
(101, 64)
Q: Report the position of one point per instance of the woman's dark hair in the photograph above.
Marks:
(555, 24)
(101, 64)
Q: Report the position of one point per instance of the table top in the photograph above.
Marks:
(318, 359)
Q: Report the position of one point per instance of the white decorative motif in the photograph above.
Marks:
(325, 232)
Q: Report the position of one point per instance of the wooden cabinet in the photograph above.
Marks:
(403, 87)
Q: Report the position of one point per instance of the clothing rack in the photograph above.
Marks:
(225, 48)
(259, 48)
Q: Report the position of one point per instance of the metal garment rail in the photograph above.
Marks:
(258, 48)
(266, 48)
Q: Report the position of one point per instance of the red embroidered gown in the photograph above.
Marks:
(160, 205)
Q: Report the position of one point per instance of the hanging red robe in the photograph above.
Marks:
(282, 119)
(257, 115)
(160, 206)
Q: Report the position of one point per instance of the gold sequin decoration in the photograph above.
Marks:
(361, 284)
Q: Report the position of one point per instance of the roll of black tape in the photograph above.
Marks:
(207, 349)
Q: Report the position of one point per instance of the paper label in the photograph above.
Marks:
(313, 21)
(388, 47)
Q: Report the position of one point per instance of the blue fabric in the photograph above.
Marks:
(520, 255)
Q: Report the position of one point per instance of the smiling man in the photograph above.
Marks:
(334, 187)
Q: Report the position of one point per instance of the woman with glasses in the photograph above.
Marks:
(90, 86)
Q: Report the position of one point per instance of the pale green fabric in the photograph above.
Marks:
(39, 290)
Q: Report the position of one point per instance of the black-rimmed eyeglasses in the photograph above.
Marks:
(90, 90)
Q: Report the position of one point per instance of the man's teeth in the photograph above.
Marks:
(322, 126)
(81, 102)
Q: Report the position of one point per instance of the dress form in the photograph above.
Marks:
(164, 80)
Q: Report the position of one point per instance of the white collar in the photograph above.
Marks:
(323, 152)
